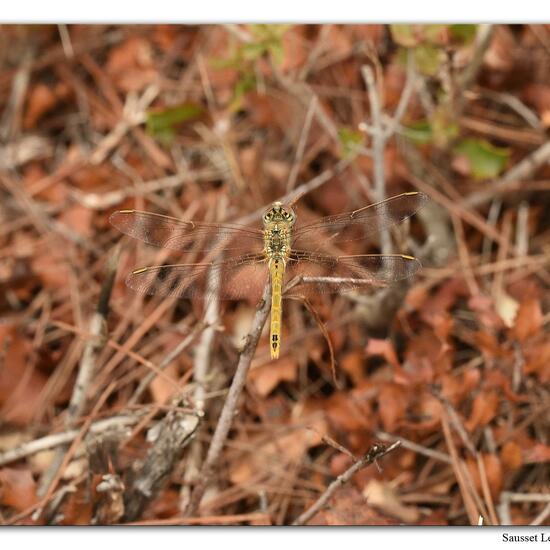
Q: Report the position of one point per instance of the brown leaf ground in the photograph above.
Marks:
(214, 123)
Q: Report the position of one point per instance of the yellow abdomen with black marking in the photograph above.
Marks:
(277, 271)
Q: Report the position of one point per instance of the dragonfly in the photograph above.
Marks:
(305, 258)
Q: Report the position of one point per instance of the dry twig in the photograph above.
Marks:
(230, 406)
(374, 453)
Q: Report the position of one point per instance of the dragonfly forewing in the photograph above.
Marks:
(175, 234)
(360, 223)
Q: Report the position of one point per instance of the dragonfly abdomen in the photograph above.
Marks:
(277, 271)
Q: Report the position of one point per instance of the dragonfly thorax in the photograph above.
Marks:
(278, 222)
(277, 240)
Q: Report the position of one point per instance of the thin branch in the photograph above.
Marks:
(406, 94)
(64, 438)
(204, 349)
(375, 452)
(379, 138)
(301, 144)
(107, 199)
(230, 406)
(420, 449)
(467, 77)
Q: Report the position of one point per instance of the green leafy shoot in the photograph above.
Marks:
(418, 132)
(486, 160)
(464, 34)
(162, 125)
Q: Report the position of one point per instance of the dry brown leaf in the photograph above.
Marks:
(392, 405)
(20, 384)
(267, 377)
(77, 508)
(349, 507)
(42, 99)
(528, 321)
(456, 388)
(385, 349)
(488, 344)
(347, 414)
(17, 489)
(353, 365)
(511, 455)
(274, 457)
(131, 64)
(484, 409)
(429, 409)
(427, 349)
(538, 453)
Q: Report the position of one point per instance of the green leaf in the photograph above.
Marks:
(463, 33)
(428, 58)
(418, 132)
(486, 160)
(350, 141)
(253, 50)
(246, 82)
(219, 63)
(404, 35)
(162, 124)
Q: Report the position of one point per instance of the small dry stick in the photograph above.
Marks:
(203, 355)
(521, 171)
(293, 196)
(375, 452)
(468, 76)
(230, 406)
(381, 132)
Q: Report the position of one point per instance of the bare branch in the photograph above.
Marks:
(375, 452)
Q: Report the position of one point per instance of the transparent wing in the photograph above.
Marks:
(359, 223)
(168, 232)
(238, 278)
(320, 273)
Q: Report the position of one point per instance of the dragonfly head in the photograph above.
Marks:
(279, 213)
